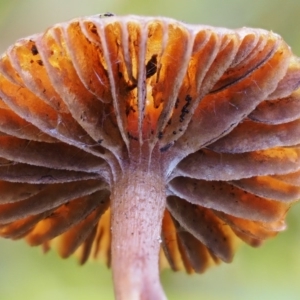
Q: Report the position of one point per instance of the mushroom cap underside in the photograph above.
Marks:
(218, 108)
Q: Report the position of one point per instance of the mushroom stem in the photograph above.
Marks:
(138, 203)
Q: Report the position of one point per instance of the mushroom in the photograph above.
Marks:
(148, 142)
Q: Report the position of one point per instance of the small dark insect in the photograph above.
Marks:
(151, 67)
(34, 50)
(107, 14)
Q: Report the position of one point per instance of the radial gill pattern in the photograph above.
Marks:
(219, 109)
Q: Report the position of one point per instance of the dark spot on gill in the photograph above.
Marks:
(166, 147)
(131, 87)
(40, 62)
(185, 109)
(151, 67)
(129, 109)
(132, 137)
(34, 50)
(93, 29)
(188, 98)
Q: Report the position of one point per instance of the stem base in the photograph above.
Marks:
(138, 203)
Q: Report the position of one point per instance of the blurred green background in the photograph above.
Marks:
(271, 272)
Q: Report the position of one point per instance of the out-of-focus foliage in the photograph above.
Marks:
(271, 272)
(21, 18)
